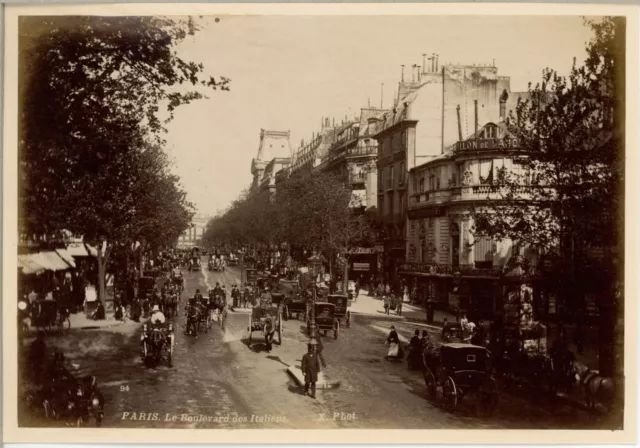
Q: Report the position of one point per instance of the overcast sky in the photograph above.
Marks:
(288, 72)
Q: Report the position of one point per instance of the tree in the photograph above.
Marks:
(91, 92)
(569, 197)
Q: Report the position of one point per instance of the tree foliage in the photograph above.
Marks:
(314, 211)
(95, 94)
(572, 135)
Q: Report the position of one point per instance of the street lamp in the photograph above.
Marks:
(315, 264)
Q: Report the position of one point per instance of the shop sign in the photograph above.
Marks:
(362, 251)
(360, 266)
(490, 143)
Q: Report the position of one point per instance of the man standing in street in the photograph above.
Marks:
(310, 370)
(235, 295)
(399, 311)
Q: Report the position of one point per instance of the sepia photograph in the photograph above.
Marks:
(301, 221)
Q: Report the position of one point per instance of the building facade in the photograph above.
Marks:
(432, 112)
(274, 153)
(446, 263)
(192, 235)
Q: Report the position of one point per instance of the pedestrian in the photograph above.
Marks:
(385, 301)
(310, 370)
(414, 351)
(399, 307)
(394, 345)
(235, 295)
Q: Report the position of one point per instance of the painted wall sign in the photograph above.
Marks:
(360, 266)
(491, 143)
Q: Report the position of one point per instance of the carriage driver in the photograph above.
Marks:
(156, 315)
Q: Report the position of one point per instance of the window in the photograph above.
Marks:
(403, 139)
(491, 131)
(483, 252)
(421, 187)
(391, 177)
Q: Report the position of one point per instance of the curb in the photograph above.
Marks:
(296, 373)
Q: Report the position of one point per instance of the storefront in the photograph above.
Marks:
(363, 263)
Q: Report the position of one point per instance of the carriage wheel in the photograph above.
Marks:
(432, 386)
(170, 354)
(348, 319)
(279, 332)
(450, 393)
(487, 397)
(336, 329)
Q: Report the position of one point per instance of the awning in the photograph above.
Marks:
(66, 256)
(51, 261)
(29, 264)
(77, 250)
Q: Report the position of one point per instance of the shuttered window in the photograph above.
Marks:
(483, 249)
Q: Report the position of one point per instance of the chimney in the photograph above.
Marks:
(437, 58)
(459, 123)
(402, 73)
(419, 75)
(413, 73)
(433, 62)
(424, 62)
(475, 109)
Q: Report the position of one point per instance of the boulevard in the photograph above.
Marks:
(217, 381)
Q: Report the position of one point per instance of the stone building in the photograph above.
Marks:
(274, 154)
(432, 112)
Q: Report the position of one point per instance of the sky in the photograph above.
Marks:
(287, 72)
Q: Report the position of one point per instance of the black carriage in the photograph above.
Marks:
(261, 313)
(326, 320)
(342, 304)
(145, 287)
(157, 339)
(457, 370)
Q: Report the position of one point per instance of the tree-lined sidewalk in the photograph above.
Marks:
(95, 95)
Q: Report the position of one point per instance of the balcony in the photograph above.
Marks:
(369, 150)
(430, 197)
(492, 192)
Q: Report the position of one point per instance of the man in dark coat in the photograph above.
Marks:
(414, 351)
(310, 370)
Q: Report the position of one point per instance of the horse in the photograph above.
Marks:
(598, 389)
(154, 341)
(193, 320)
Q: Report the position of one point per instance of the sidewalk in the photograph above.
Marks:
(82, 322)
(372, 306)
(324, 380)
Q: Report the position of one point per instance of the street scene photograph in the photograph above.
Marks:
(320, 222)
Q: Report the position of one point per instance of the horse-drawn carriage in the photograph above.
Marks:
(457, 370)
(342, 303)
(157, 339)
(48, 315)
(217, 304)
(197, 314)
(195, 264)
(326, 319)
(216, 264)
(262, 314)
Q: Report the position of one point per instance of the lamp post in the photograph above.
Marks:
(314, 269)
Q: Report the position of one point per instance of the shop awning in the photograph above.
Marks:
(29, 264)
(66, 256)
(77, 250)
(51, 261)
